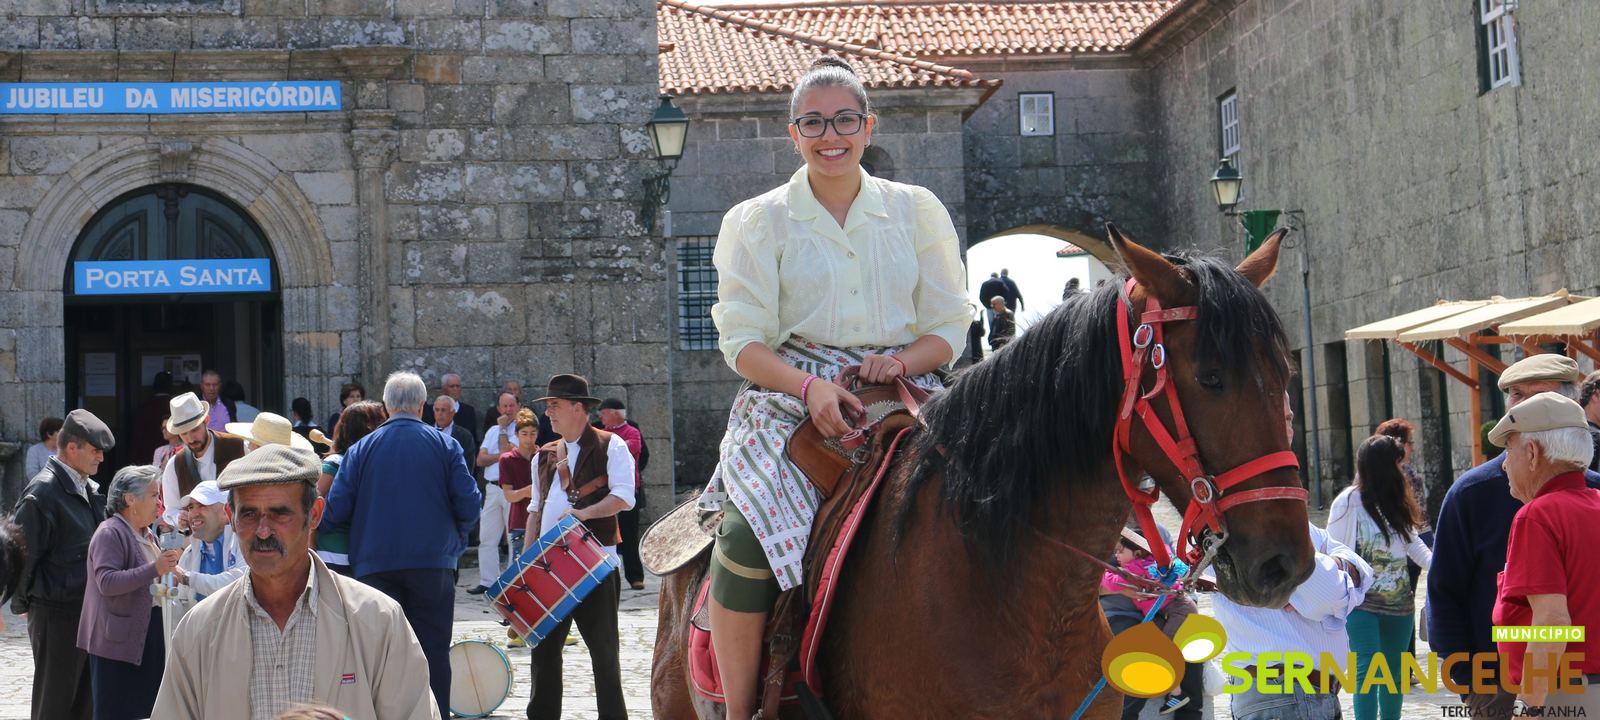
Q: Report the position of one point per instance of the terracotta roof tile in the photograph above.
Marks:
(714, 50)
(1070, 250)
(947, 29)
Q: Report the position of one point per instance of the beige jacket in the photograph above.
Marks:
(368, 665)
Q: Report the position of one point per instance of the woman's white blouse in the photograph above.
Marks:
(891, 275)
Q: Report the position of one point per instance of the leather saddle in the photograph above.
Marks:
(828, 462)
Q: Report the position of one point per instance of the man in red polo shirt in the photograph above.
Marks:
(1552, 576)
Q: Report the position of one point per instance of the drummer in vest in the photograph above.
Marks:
(205, 453)
(572, 476)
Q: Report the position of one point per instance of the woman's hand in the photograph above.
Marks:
(829, 404)
(881, 369)
(167, 560)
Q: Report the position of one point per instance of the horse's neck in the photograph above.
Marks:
(1045, 581)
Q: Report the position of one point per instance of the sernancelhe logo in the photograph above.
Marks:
(1143, 662)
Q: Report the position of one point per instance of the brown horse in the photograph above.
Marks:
(959, 599)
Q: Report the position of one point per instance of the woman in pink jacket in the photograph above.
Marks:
(121, 623)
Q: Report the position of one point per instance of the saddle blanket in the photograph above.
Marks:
(702, 657)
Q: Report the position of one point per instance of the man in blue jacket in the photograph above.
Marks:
(1469, 547)
(409, 500)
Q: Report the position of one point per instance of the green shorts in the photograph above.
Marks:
(741, 576)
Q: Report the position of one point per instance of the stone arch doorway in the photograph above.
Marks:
(1040, 259)
(166, 281)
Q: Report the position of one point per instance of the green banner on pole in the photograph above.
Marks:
(1258, 224)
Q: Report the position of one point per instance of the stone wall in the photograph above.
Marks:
(473, 209)
(1415, 186)
(1099, 165)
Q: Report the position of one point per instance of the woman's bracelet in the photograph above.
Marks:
(903, 369)
(805, 388)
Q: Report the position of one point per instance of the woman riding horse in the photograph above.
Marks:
(836, 268)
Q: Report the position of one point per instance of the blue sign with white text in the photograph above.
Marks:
(171, 277)
(157, 98)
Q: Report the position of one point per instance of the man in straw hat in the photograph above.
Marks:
(1546, 583)
(291, 632)
(205, 452)
(596, 481)
(1469, 546)
(409, 500)
(269, 429)
(58, 514)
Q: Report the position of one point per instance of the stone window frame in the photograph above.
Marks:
(1228, 133)
(1044, 103)
(697, 292)
(113, 8)
(1501, 61)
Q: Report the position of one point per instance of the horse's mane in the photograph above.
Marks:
(1041, 411)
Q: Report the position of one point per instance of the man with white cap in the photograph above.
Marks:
(205, 452)
(1546, 582)
(1469, 547)
(291, 632)
(212, 559)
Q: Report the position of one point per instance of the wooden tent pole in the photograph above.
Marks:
(1442, 366)
(1477, 409)
(1477, 355)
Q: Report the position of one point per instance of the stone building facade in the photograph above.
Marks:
(472, 206)
(1419, 181)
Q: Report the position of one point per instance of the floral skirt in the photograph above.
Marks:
(754, 471)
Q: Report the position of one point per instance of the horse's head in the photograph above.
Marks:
(1228, 365)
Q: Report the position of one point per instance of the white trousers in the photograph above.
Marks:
(492, 521)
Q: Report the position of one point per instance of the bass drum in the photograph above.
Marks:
(481, 677)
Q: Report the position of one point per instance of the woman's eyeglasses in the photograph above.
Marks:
(845, 123)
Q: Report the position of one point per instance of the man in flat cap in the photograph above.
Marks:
(409, 500)
(1547, 583)
(58, 514)
(205, 452)
(1469, 547)
(290, 632)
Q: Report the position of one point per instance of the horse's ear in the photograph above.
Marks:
(1161, 277)
(1264, 261)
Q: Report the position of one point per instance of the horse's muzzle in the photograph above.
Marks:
(1262, 579)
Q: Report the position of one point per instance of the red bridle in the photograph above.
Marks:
(1204, 529)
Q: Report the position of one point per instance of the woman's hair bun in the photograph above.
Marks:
(828, 61)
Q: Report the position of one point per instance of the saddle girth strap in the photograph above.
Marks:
(781, 648)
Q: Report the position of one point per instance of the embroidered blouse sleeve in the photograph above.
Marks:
(746, 259)
(941, 294)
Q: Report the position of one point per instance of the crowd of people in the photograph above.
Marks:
(314, 567)
(1505, 552)
(276, 548)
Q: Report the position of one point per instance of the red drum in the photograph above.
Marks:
(547, 581)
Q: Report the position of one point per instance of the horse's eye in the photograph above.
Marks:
(1211, 379)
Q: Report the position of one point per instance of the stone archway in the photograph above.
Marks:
(269, 196)
(1100, 249)
(33, 307)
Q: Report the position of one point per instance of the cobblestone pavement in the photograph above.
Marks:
(474, 620)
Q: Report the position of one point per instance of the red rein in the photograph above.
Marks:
(1145, 348)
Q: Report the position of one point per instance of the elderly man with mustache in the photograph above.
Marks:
(290, 633)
